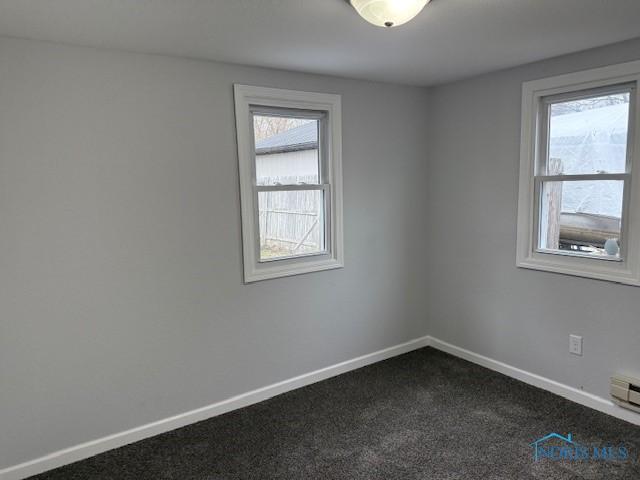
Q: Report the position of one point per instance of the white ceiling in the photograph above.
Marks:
(450, 39)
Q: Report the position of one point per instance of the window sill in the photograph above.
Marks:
(578, 266)
(564, 253)
(276, 269)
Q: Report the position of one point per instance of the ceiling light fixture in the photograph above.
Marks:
(388, 13)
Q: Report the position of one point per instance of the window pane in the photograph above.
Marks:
(286, 150)
(589, 135)
(291, 223)
(582, 216)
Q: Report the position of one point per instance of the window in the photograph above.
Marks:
(578, 207)
(289, 151)
(583, 172)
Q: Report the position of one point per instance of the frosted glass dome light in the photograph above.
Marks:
(388, 13)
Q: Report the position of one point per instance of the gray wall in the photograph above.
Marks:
(121, 296)
(477, 298)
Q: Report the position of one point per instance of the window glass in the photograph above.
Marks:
(287, 150)
(582, 216)
(589, 135)
(291, 223)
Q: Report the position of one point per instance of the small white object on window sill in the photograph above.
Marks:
(611, 247)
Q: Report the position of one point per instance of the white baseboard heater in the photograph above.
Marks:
(626, 392)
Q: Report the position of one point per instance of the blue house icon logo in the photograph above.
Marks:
(543, 450)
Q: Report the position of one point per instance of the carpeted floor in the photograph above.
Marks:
(423, 415)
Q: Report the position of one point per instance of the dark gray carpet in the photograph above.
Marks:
(423, 415)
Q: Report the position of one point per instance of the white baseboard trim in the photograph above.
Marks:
(94, 447)
(574, 394)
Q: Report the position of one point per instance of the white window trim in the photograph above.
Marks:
(626, 271)
(247, 97)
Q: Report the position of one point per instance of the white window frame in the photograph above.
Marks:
(250, 99)
(624, 270)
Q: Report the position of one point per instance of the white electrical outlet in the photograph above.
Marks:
(575, 344)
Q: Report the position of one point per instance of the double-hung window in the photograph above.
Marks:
(578, 209)
(289, 151)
